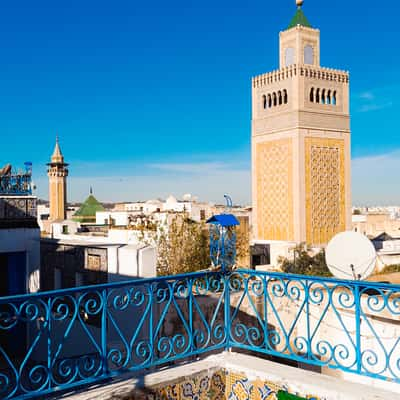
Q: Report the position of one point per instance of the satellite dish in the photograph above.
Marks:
(350, 255)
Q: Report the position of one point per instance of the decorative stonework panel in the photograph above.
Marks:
(325, 189)
(274, 177)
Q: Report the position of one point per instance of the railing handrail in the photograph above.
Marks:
(140, 323)
(347, 282)
(112, 285)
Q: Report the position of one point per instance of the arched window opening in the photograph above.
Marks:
(269, 101)
(328, 98)
(334, 98)
(285, 97)
(323, 96)
(264, 99)
(312, 95)
(280, 98)
(317, 96)
(275, 99)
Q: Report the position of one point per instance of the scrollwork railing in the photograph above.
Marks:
(346, 325)
(61, 339)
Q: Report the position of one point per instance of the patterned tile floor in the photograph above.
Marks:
(218, 385)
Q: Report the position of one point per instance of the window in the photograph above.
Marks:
(65, 229)
(323, 96)
(275, 99)
(289, 56)
(269, 101)
(317, 96)
(264, 99)
(328, 97)
(308, 55)
(280, 98)
(285, 97)
(202, 215)
(312, 95)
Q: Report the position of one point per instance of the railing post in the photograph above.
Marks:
(49, 341)
(307, 299)
(104, 333)
(151, 327)
(358, 327)
(227, 310)
(190, 313)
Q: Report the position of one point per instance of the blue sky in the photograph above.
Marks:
(153, 97)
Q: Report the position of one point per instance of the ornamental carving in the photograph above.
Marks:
(274, 190)
(325, 194)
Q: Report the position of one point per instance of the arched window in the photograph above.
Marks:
(312, 95)
(285, 97)
(317, 96)
(323, 96)
(308, 55)
(328, 97)
(280, 98)
(264, 99)
(269, 101)
(275, 99)
(334, 98)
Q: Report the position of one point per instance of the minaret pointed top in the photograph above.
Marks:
(57, 156)
(299, 18)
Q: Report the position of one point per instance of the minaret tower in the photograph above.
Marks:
(57, 172)
(300, 143)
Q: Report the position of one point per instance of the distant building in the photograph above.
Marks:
(57, 172)
(19, 235)
(73, 261)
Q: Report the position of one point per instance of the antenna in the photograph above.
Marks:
(350, 255)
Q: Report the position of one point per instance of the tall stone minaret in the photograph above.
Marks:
(300, 143)
(57, 172)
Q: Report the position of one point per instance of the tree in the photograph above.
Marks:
(182, 247)
(305, 264)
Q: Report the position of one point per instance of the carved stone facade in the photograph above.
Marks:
(306, 107)
(325, 184)
(275, 189)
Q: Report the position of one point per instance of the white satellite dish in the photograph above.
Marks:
(350, 255)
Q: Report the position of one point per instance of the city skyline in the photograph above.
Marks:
(144, 110)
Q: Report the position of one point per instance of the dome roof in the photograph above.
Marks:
(171, 199)
(88, 209)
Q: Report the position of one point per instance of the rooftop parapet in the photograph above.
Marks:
(327, 74)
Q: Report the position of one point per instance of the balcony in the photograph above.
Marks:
(64, 340)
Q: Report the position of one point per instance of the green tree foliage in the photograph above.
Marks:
(356, 211)
(182, 247)
(305, 264)
(389, 269)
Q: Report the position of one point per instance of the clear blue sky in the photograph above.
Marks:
(153, 97)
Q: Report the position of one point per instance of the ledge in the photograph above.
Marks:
(295, 380)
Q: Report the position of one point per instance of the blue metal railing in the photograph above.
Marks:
(16, 184)
(67, 338)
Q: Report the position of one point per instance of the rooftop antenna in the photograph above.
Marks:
(350, 255)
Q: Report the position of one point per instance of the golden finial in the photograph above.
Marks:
(299, 3)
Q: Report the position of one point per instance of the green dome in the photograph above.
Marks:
(87, 211)
(299, 19)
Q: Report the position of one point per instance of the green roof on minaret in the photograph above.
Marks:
(299, 18)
